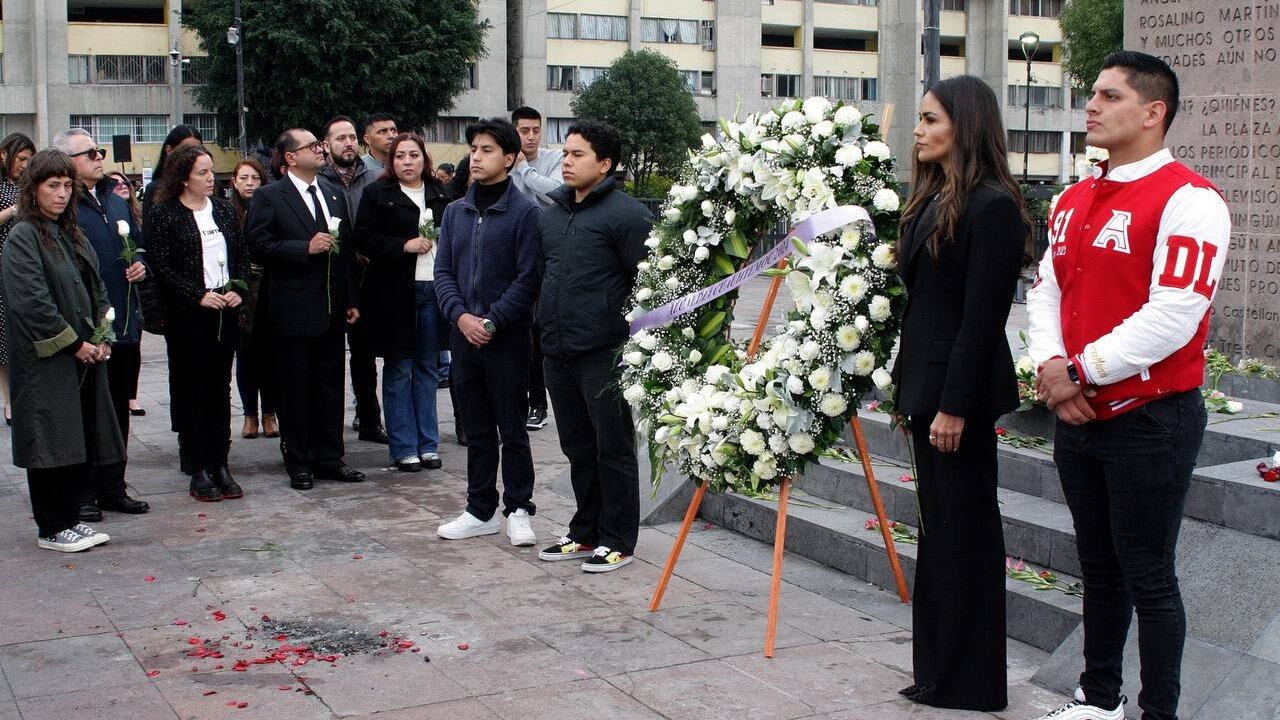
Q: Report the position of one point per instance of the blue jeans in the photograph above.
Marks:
(409, 386)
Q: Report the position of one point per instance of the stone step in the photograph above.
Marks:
(836, 536)
(1036, 530)
(1229, 494)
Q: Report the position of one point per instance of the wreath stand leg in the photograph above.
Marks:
(674, 555)
(775, 581)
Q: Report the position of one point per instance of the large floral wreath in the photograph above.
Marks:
(743, 423)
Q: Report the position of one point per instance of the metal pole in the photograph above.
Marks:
(1026, 133)
(932, 43)
(240, 107)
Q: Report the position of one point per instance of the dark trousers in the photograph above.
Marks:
(597, 435)
(55, 496)
(958, 614)
(311, 382)
(364, 377)
(200, 353)
(254, 374)
(537, 381)
(492, 384)
(122, 381)
(1126, 481)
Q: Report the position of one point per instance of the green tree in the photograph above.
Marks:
(308, 60)
(643, 95)
(1091, 29)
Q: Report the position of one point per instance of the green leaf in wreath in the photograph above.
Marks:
(736, 245)
(724, 264)
(719, 356)
(711, 325)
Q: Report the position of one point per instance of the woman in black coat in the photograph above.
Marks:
(964, 242)
(200, 262)
(399, 300)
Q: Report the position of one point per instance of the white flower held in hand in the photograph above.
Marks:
(334, 222)
(122, 228)
(111, 315)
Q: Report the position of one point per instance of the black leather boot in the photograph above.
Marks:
(221, 477)
(203, 487)
(122, 503)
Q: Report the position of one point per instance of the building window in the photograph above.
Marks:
(777, 40)
(954, 5)
(562, 26)
(557, 128)
(602, 27)
(206, 124)
(143, 128)
(1077, 143)
(868, 3)
(1044, 53)
(1, 75)
(195, 72)
(837, 42)
(707, 34)
(79, 69)
(845, 88)
(130, 69)
(950, 50)
(561, 77)
(1042, 96)
(1042, 141)
(700, 82)
(1078, 99)
(588, 75)
(1036, 8)
(772, 85)
(452, 130)
(471, 78)
(670, 31)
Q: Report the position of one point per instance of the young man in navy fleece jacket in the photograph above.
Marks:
(487, 279)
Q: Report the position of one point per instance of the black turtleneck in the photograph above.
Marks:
(487, 195)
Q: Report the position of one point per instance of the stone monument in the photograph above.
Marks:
(1227, 57)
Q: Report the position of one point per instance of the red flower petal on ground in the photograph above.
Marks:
(266, 618)
(906, 478)
(1271, 476)
(194, 641)
(152, 673)
(357, 557)
(201, 515)
(210, 692)
(285, 687)
(241, 705)
(464, 646)
(149, 578)
(219, 616)
(179, 623)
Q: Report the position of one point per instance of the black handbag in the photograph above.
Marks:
(151, 306)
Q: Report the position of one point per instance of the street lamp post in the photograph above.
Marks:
(1030, 43)
(234, 38)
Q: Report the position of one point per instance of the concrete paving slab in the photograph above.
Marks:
(712, 690)
(50, 667)
(581, 700)
(141, 701)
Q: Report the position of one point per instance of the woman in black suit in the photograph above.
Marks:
(400, 300)
(200, 263)
(964, 241)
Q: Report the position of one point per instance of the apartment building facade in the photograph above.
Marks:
(117, 66)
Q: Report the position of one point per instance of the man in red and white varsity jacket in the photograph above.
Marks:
(1118, 318)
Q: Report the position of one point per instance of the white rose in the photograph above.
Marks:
(815, 108)
(800, 444)
(795, 385)
(708, 208)
(753, 442)
(701, 254)
(864, 363)
(847, 338)
(729, 216)
(833, 404)
(694, 356)
(885, 200)
(643, 266)
(881, 378)
(652, 243)
(428, 215)
(634, 394)
(877, 150)
(646, 341)
(688, 193)
(1095, 154)
(810, 350)
(820, 379)
(1025, 365)
(792, 120)
(1233, 407)
(671, 213)
(690, 237)
(111, 314)
(634, 358)
(122, 227)
(643, 294)
(884, 257)
(822, 129)
(666, 262)
(708, 141)
(848, 115)
(879, 309)
(662, 361)
(334, 222)
(849, 155)
(861, 323)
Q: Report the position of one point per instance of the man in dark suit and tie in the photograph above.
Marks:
(299, 229)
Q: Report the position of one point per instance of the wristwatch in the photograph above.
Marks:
(488, 326)
(1072, 373)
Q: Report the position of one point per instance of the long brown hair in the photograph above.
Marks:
(10, 148)
(240, 204)
(428, 171)
(177, 168)
(978, 157)
(135, 208)
(48, 163)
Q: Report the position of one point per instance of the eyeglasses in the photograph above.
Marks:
(92, 153)
(316, 147)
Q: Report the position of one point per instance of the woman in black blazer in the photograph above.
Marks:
(399, 298)
(964, 242)
(200, 263)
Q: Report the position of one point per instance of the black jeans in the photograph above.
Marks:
(492, 385)
(597, 435)
(364, 377)
(55, 496)
(200, 352)
(122, 380)
(254, 375)
(1126, 480)
(537, 380)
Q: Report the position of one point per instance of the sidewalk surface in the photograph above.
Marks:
(342, 602)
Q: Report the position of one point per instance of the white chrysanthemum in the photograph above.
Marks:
(695, 356)
(822, 129)
(800, 444)
(879, 308)
(877, 150)
(816, 108)
(778, 442)
(849, 239)
(820, 379)
(849, 155)
(662, 361)
(848, 115)
(886, 200)
(769, 119)
(792, 121)
(644, 294)
(633, 358)
(753, 442)
(634, 393)
(810, 350)
(863, 363)
(854, 287)
(884, 256)
(833, 404)
(818, 318)
(701, 254)
(766, 470)
(795, 385)
(882, 378)
(847, 338)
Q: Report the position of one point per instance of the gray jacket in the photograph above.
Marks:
(364, 176)
(540, 178)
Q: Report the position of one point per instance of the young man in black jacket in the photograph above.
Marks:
(592, 238)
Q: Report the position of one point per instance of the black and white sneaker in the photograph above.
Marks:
(410, 464)
(537, 419)
(605, 560)
(67, 541)
(1079, 710)
(85, 531)
(430, 461)
(565, 549)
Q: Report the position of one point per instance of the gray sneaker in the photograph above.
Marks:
(85, 531)
(68, 541)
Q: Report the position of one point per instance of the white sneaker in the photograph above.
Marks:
(467, 525)
(520, 529)
(87, 532)
(67, 541)
(1078, 710)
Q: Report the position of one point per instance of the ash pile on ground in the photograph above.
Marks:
(325, 638)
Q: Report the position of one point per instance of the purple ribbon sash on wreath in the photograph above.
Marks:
(815, 226)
